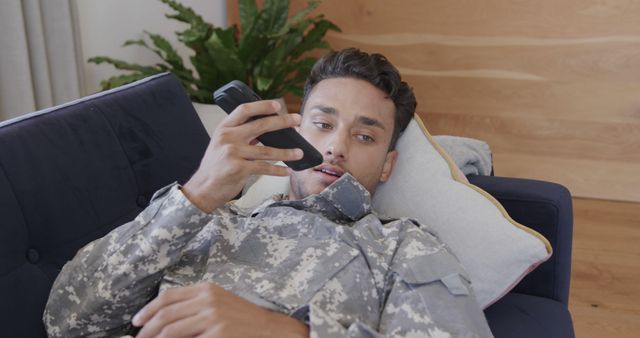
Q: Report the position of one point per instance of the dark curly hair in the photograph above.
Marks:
(373, 68)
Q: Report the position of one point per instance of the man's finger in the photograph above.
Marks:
(245, 111)
(265, 168)
(255, 128)
(269, 153)
(168, 315)
(191, 326)
(165, 298)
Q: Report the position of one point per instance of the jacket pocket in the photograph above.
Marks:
(440, 266)
(297, 280)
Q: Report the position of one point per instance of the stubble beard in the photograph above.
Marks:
(297, 186)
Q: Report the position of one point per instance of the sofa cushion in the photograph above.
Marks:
(70, 174)
(525, 316)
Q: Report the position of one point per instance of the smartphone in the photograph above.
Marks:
(235, 93)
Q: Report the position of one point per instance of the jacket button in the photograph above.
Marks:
(142, 201)
(33, 256)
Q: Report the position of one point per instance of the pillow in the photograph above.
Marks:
(496, 251)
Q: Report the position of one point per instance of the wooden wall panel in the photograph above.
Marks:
(552, 86)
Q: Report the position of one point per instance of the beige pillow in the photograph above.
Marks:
(496, 251)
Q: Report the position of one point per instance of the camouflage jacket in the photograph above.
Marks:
(326, 260)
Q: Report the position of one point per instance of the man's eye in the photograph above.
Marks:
(322, 125)
(365, 138)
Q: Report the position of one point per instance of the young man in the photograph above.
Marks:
(314, 263)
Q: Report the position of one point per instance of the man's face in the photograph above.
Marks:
(351, 123)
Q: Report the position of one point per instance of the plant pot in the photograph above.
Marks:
(210, 114)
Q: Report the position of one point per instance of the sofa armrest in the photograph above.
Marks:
(546, 208)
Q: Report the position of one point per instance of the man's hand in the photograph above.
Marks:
(232, 155)
(207, 310)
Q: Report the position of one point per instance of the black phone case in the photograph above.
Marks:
(235, 93)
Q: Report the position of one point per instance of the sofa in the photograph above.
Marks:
(72, 173)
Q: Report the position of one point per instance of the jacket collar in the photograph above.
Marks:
(344, 201)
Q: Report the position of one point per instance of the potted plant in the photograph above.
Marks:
(268, 51)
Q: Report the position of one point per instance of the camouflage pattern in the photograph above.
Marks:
(327, 260)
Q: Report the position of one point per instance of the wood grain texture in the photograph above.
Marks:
(585, 177)
(554, 85)
(551, 137)
(572, 101)
(605, 297)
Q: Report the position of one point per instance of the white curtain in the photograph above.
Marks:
(39, 55)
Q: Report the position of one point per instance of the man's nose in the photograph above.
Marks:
(337, 147)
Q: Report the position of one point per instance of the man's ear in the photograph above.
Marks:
(387, 167)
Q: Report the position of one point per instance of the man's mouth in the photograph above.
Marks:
(329, 170)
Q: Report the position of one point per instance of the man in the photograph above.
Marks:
(314, 263)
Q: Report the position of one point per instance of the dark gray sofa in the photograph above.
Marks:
(72, 173)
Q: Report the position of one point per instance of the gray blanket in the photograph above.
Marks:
(472, 156)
